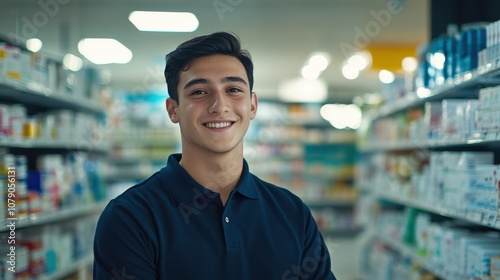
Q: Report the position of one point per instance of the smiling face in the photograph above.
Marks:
(215, 105)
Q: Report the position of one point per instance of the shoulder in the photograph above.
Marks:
(278, 194)
(139, 198)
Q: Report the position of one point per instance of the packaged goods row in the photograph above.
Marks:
(46, 74)
(434, 147)
(57, 182)
(62, 126)
(446, 121)
(451, 249)
(48, 252)
(460, 182)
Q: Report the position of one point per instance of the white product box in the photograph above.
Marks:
(25, 67)
(464, 246)
(495, 267)
(479, 259)
(470, 160)
(485, 97)
(12, 63)
(495, 96)
(453, 122)
(435, 161)
(3, 58)
(451, 237)
(40, 71)
(432, 119)
(472, 117)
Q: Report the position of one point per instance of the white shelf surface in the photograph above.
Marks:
(34, 94)
(331, 202)
(491, 138)
(410, 253)
(56, 216)
(475, 218)
(55, 144)
(462, 85)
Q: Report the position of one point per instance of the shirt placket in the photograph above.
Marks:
(229, 227)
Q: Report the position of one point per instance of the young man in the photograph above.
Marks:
(204, 215)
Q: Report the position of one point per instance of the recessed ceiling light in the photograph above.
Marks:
(319, 61)
(409, 64)
(342, 116)
(309, 72)
(72, 62)
(360, 60)
(104, 51)
(301, 90)
(386, 77)
(164, 21)
(34, 44)
(350, 72)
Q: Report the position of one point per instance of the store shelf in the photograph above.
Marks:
(476, 218)
(410, 253)
(340, 232)
(56, 216)
(83, 145)
(74, 267)
(128, 176)
(395, 146)
(39, 96)
(331, 202)
(147, 142)
(489, 139)
(461, 86)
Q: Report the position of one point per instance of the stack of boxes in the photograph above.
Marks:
(44, 74)
(489, 111)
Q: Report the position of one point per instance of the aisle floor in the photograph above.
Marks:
(345, 258)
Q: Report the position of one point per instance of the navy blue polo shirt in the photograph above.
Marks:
(171, 227)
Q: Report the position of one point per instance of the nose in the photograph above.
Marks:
(219, 104)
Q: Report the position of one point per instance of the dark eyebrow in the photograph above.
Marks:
(223, 80)
(233, 79)
(196, 81)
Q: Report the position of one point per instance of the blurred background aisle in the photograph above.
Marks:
(382, 115)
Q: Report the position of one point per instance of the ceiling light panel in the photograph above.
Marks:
(164, 21)
(104, 51)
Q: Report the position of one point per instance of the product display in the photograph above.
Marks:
(409, 190)
(291, 145)
(430, 161)
(51, 160)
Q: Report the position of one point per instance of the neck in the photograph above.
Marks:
(218, 172)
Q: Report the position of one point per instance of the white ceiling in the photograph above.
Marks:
(280, 34)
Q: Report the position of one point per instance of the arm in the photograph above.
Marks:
(123, 245)
(316, 262)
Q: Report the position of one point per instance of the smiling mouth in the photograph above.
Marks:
(218, 124)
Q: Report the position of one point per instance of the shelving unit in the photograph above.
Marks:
(142, 139)
(292, 146)
(74, 267)
(51, 135)
(395, 169)
(138, 153)
(457, 87)
(55, 217)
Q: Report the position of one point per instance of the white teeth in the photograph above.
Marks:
(218, 125)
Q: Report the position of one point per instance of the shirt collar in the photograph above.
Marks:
(186, 189)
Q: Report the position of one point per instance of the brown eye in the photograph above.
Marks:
(235, 90)
(198, 92)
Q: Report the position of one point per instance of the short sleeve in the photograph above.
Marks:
(316, 262)
(124, 246)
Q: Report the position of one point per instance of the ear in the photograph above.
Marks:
(253, 106)
(171, 106)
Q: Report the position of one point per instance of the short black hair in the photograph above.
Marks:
(216, 43)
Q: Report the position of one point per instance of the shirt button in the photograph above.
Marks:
(227, 219)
